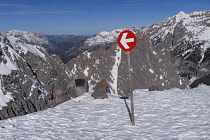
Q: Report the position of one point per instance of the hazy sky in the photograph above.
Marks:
(88, 17)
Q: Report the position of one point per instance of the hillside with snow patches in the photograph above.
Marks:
(9, 59)
(30, 79)
(196, 28)
(196, 24)
(187, 38)
(170, 114)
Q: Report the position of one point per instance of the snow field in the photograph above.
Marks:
(160, 115)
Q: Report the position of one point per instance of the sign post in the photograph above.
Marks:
(127, 42)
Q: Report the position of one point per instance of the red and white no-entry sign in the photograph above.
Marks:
(127, 40)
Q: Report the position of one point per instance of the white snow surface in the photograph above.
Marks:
(114, 71)
(180, 81)
(6, 68)
(160, 115)
(151, 71)
(86, 71)
(4, 98)
(87, 54)
(23, 47)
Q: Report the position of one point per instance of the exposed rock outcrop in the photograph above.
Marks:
(101, 90)
(200, 81)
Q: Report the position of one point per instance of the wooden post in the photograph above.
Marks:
(130, 89)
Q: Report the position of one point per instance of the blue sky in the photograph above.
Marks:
(87, 17)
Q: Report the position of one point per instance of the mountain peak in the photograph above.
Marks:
(181, 13)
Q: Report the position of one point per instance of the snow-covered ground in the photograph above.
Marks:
(171, 114)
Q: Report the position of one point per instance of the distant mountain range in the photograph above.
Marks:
(54, 44)
(67, 38)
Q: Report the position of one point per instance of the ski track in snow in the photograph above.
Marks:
(171, 114)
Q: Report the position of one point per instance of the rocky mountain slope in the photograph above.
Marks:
(187, 38)
(169, 54)
(149, 67)
(30, 79)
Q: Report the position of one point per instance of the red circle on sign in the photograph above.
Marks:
(127, 40)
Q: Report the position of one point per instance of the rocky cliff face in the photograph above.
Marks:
(187, 37)
(30, 79)
(201, 81)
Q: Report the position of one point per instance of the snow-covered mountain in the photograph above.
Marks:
(177, 46)
(30, 79)
(196, 26)
(103, 37)
(29, 37)
(100, 41)
(187, 38)
(54, 44)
